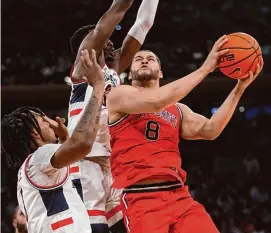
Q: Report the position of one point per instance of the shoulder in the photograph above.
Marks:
(44, 153)
(120, 90)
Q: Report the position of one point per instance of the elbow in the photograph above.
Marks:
(210, 131)
(212, 135)
(147, 23)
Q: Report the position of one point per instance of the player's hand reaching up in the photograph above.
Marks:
(211, 61)
(92, 71)
(245, 82)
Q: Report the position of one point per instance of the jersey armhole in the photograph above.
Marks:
(181, 118)
(44, 187)
(117, 121)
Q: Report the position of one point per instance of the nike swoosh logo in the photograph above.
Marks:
(237, 69)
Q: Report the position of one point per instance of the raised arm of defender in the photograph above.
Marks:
(81, 141)
(137, 34)
(105, 27)
(128, 99)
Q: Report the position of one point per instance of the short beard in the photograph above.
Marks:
(153, 75)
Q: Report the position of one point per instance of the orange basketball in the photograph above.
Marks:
(243, 56)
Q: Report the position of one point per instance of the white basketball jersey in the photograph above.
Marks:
(87, 176)
(47, 197)
(80, 95)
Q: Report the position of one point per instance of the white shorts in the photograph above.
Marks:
(94, 184)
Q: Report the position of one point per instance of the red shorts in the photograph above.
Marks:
(164, 208)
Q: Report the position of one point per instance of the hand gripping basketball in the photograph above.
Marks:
(211, 61)
(244, 83)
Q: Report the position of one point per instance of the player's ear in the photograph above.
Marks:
(160, 74)
(130, 76)
(14, 223)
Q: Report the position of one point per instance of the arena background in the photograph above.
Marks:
(231, 175)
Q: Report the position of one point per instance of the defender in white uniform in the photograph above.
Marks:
(47, 197)
(93, 179)
(45, 192)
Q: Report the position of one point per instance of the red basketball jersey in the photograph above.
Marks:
(146, 146)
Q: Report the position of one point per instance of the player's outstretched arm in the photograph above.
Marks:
(81, 141)
(97, 38)
(127, 99)
(195, 126)
(137, 34)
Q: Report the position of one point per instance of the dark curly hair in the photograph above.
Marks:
(79, 36)
(17, 140)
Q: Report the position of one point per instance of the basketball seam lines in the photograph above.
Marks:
(239, 48)
(244, 39)
(249, 43)
(240, 60)
(251, 64)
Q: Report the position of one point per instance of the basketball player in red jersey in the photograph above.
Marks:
(145, 124)
(91, 181)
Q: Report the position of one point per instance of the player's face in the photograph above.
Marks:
(46, 131)
(109, 54)
(145, 66)
(19, 221)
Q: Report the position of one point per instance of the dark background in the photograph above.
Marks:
(231, 175)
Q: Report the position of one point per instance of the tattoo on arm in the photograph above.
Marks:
(89, 121)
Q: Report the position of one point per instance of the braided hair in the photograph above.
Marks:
(17, 140)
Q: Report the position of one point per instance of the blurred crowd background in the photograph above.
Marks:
(231, 175)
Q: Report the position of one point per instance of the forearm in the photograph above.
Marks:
(177, 90)
(86, 130)
(82, 139)
(106, 25)
(144, 20)
(122, 5)
(88, 124)
(213, 127)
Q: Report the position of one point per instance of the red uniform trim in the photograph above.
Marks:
(43, 186)
(112, 212)
(74, 169)
(96, 213)
(62, 223)
(75, 112)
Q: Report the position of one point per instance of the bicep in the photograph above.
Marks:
(192, 124)
(103, 30)
(68, 153)
(127, 99)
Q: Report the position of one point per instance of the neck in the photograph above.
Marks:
(40, 143)
(149, 84)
